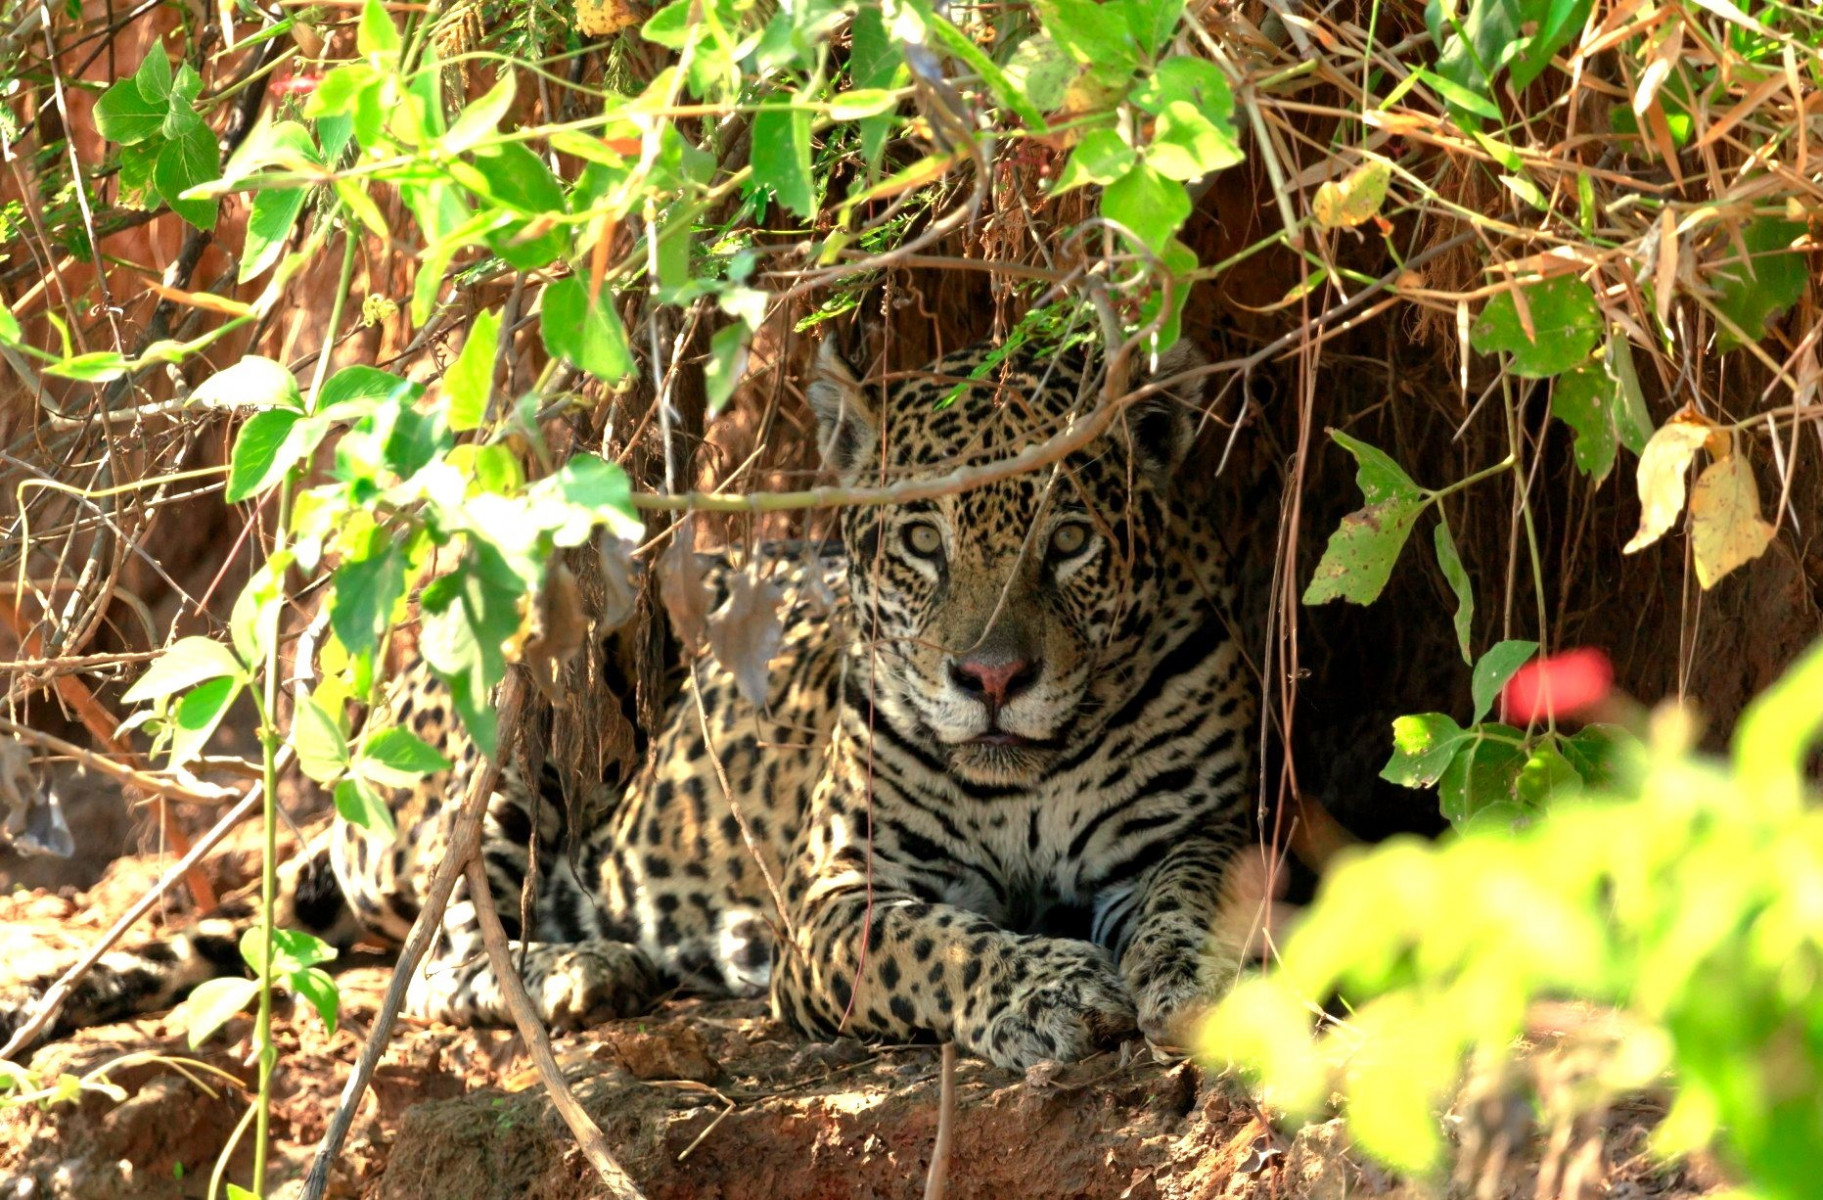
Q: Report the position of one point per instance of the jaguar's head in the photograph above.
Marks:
(1006, 621)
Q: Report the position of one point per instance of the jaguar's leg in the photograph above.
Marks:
(869, 956)
(571, 984)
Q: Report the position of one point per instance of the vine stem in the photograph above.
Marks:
(270, 743)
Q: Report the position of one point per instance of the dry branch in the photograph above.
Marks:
(465, 840)
(594, 1146)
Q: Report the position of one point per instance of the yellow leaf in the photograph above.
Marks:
(599, 18)
(1661, 474)
(1726, 528)
(1354, 199)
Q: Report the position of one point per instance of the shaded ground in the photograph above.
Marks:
(702, 1100)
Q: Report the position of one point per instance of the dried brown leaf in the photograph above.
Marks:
(745, 632)
(1661, 474)
(682, 588)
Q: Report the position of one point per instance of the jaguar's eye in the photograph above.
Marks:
(923, 539)
(1069, 540)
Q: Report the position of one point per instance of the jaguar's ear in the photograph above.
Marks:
(848, 419)
(1163, 425)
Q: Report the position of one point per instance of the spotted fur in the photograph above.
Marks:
(992, 796)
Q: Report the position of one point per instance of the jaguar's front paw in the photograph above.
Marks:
(592, 982)
(1056, 999)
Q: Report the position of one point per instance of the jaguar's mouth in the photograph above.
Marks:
(1000, 737)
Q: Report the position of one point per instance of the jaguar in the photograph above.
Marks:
(994, 793)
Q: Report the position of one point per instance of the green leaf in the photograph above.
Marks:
(315, 985)
(1364, 547)
(359, 805)
(269, 445)
(1632, 422)
(727, 363)
(236, 1192)
(1096, 35)
(1565, 319)
(963, 47)
(253, 382)
(361, 388)
(1144, 201)
(1598, 752)
(1193, 81)
(365, 592)
(215, 1000)
(1102, 156)
(134, 109)
(192, 157)
(322, 751)
(397, 757)
(1423, 745)
(588, 335)
(1187, 146)
(1752, 290)
(1042, 71)
(1546, 777)
(292, 950)
(189, 661)
(781, 156)
(1562, 20)
(1451, 564)
(97, 366)
(1585, 400)
(9, 327)
(468, 617)
(1152, 22)
(469, 381)
(376, 34)
(1481, 775)
(514, 177)
(1495, 668)
(1457, 96)
(195, 716)
(1179, 261)
(254, 622)
(482, 118)
(269, 222)
(603, 493)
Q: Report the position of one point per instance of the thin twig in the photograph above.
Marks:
(101, 764)
(589, 1138)
(937, 1181)
(464, 840)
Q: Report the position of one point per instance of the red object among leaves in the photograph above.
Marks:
(294, 85)
(1565, 684)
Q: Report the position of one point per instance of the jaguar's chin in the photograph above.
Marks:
(1001, 760)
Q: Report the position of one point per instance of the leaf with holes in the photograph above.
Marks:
(1585, 399)
(1364, 547)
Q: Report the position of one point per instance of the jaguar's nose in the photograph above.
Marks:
(993, 680)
